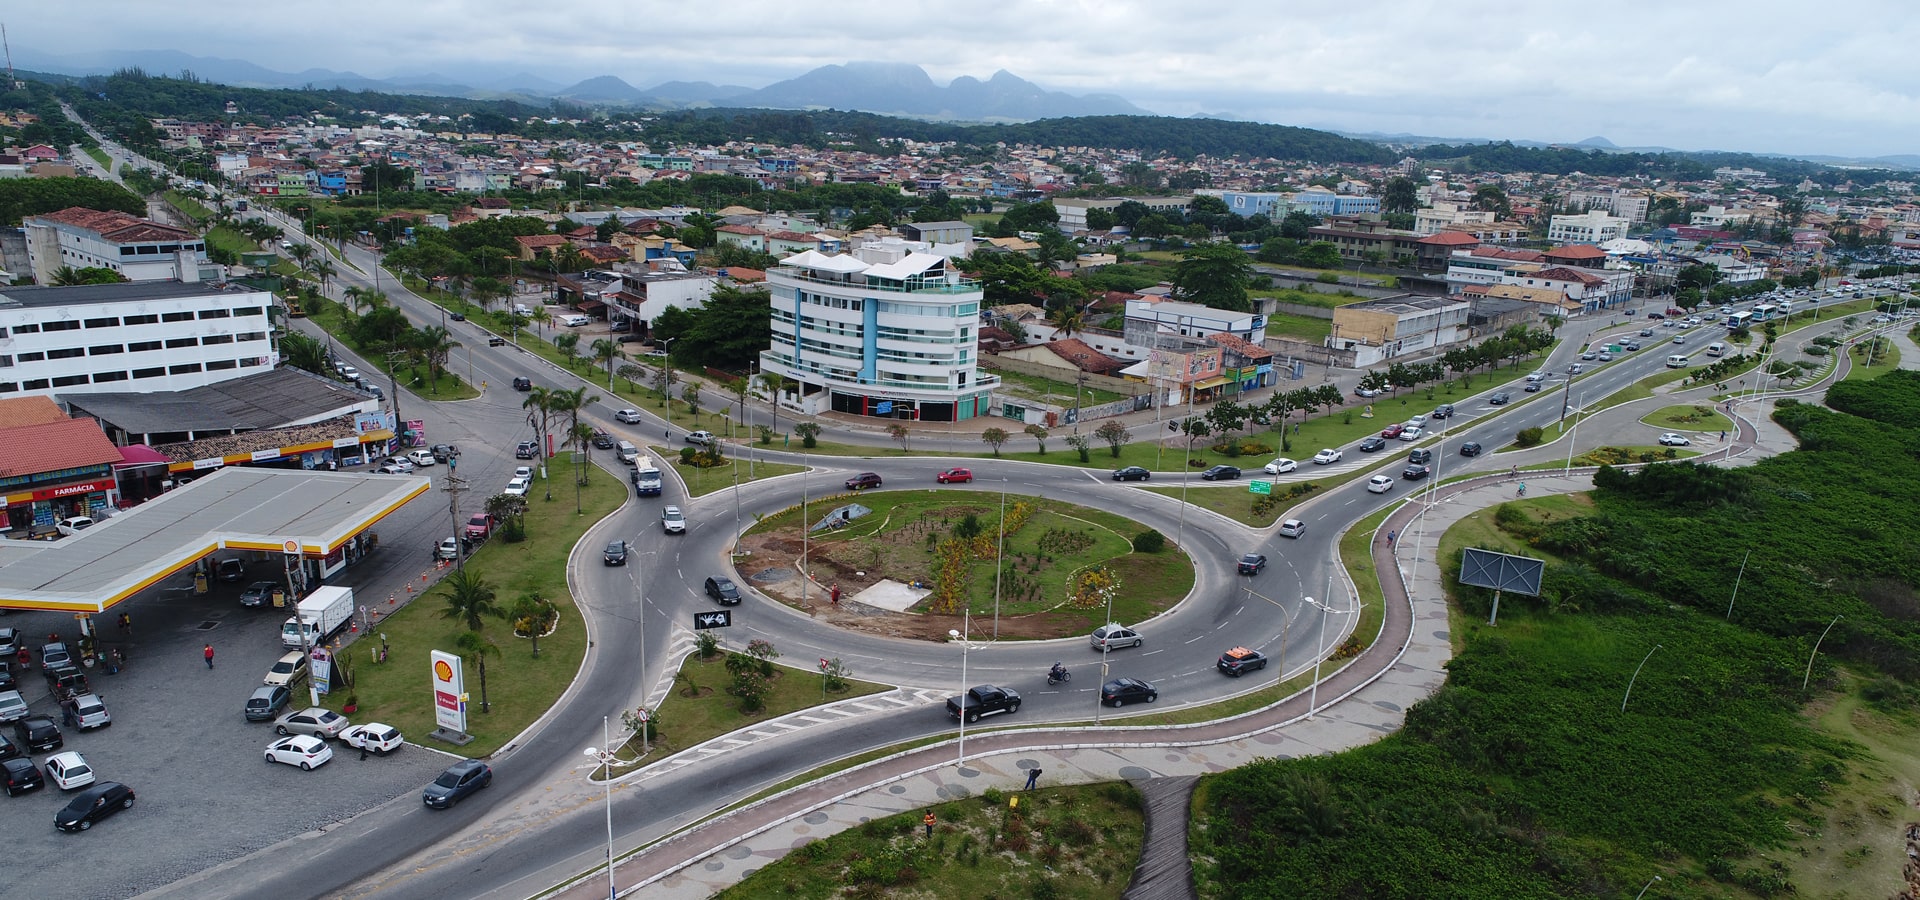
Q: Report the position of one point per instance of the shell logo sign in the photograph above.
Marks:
(449, 693)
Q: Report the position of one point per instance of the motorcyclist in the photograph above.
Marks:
(1057, 673)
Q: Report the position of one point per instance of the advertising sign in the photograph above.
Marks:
(449, 693)
(320, 664)
(717, 619)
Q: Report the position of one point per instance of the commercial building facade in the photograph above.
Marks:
(137, 249)
(145, 336)
(887, 331)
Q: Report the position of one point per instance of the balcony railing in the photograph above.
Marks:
(937, 284)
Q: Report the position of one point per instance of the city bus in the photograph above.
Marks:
(1765, 312)
(1739, 320)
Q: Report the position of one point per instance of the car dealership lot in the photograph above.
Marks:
(179, 738)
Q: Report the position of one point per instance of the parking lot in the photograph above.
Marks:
(179, 739)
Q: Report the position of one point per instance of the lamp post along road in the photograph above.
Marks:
(605, 758)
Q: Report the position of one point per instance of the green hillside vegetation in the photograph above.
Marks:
(1523, 777)
(21, 197)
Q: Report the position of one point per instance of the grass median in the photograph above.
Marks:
(700, 708)
(520, 686)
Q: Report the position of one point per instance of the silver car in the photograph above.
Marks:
(321, 723)
(13, 707)
(91, 712)
(672, 520)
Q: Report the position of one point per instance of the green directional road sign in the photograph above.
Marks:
(1259, 487)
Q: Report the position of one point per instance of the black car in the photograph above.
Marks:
(1241, 660)
(526, 450)
(267, 702)
(1533, 387)
(630, 339)
(232, 569)
(602, 439)
(6, 678)
(1470, 448)
(1416, 472)
(1122, 691)
(38, 734)
(616, 553)
(1220, 473)
(20, 776)
(8, 749)
(1132, 473)
(494, 340)
(443, 453)
(1373, 443)
(453, 785)
(1252, 563)
(1500, 399)
(93, 804)
(523, 383)
(1443, 411)
(257, 594)
(723, 590)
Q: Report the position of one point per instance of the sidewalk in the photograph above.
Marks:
(1358, 704)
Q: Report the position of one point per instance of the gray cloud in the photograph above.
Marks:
(1705, 74)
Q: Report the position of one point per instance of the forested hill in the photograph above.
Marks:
(1507, 157)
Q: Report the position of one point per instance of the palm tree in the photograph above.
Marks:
(303, 352)
(581, 437)
(606, 352)
(541, 319)
(569, 404)
(324, 271)
(539, 404)
(530, 613)
(469, 600)
(301, 253)
(435, 344)
(569, 347)
(569, 259)
(476, 649)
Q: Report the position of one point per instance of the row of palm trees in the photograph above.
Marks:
(472, 601)
(550, 407)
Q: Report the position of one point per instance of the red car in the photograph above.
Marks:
(479, 526)
(954, 476)
(1393, 431)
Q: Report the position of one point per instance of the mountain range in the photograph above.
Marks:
(896, 89)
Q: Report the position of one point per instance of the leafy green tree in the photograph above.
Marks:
(569, 347)
(1399, 195)
(1320, 255)
(809, 433)
(994, 437)
(67, 276)
(303, 352)
(1279, 251)
(1111, 431)
(1039, 436)
(1214, 275)
(1490, 198)
(531, 614)
(1296, 225)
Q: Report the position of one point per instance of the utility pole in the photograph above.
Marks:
(455, 486)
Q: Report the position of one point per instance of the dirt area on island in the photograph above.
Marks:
(771, 563)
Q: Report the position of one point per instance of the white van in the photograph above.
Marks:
(1716, 348)
(627, 451)
(521, 310)
(1676, 361)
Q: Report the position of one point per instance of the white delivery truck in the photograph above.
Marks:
(323, 614)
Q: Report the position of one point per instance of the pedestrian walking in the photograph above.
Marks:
(209, 651)
(70, 712)
(1033, 778)
(835, 595)
(1390, 536)
(1723, 436)
(126, 624)
(363, 750)
(928, 821)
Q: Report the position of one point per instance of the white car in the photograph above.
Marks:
(1674, 440)
(1411, 433)
(291, 667)
(306, 751)
(381, 739)
(90, 712)
(672, 521)
(628, 416)
(1281, 466)
(69, 770)
(394, 468)
(449, 549)
(1380, 484)
(518, 487)
(1326, 456)
(421, 458)
(1293, 528)
(523, 472)
(74, 525)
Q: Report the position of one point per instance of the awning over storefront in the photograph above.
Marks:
(1205, 383)
(590, 305)
(141, 455)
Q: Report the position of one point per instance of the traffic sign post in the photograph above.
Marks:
(1260, 487)
(717, 619)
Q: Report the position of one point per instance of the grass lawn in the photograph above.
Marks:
(102, 157)
(449, 386)
(189, 207)
(1375, 278)
(1033, 387)
(686, 720)
(701, 482)
(226, 237)
(1057, 541)
(1236, 501)
(520, 686)
(1078, 842)
(1688, 417)
(1886, 358)
(1306, 328)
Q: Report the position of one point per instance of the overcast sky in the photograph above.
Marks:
(1821, 78)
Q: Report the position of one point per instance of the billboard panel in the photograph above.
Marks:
(449, 692)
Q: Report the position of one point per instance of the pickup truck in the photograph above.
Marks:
(983, 700)
(479, 526)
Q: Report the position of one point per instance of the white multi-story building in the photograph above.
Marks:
(144, 336)
(138, 249)
(1594, 226)
(888, 331)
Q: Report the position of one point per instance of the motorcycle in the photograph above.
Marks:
(1058, 675)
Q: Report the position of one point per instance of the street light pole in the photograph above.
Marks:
(1643, 890)
(956, 635)
(605, 758)
(999, 562)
